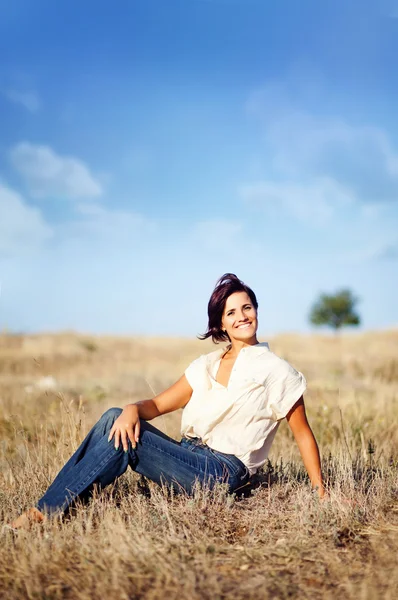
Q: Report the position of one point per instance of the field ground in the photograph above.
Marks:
(135, 541)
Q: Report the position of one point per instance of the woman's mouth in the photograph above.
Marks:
(243, 326)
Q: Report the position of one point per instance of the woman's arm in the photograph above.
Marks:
(176, 396)
(306, 442)
(127, 425)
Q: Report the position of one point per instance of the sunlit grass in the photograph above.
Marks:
(135, 540)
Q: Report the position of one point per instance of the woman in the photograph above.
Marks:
(233, 399)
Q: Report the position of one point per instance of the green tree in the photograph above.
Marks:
(335, 310)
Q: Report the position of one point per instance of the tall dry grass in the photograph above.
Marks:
(137, 541)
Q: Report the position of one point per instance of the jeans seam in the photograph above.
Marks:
(83, 484)
(92, 475)
(225, 464)
(181, 461)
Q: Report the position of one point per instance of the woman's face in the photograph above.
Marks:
(239, 317)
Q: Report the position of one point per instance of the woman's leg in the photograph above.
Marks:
(93, 437)
(85, 457)
(98, 431)
(157, 456)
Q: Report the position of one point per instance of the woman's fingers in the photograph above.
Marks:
(124, 440)
(130, 434)
(137, 430)
(124, 434)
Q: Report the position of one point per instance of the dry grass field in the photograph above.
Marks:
(136, 541)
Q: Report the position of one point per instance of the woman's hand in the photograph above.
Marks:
(126, 427)
(321, 493)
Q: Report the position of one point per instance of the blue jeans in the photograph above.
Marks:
(157, 456)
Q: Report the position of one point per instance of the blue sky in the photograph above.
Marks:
(147, 147)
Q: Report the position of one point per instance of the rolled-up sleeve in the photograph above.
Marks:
(194, 372)
(285, 386)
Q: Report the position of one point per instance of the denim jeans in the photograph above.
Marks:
(157, 456)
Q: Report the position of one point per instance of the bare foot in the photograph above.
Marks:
(28, 519)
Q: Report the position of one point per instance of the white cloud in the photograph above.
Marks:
(359, 162)
(387, 252)
(371, 211)
(375, 251)
(47, 174)
(104, 223)
(314, 202)
(28, 99)
(22, 227)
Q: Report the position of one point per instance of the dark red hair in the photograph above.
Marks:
(227, 284)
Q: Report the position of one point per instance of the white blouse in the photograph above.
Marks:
(242, 418)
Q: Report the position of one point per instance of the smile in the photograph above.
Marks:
(245, 326)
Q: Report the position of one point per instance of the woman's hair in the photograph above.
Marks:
(227, 284)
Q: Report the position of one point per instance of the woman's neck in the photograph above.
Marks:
(235, 347)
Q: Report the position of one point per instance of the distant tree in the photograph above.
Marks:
(335, 310)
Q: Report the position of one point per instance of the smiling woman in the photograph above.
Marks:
(241, 393)
(227, 312)
(233, 398)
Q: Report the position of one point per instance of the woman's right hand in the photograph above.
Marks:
(126, 427)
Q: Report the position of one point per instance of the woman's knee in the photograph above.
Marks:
(111, 414)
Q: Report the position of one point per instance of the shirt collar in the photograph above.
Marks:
(255, 350)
